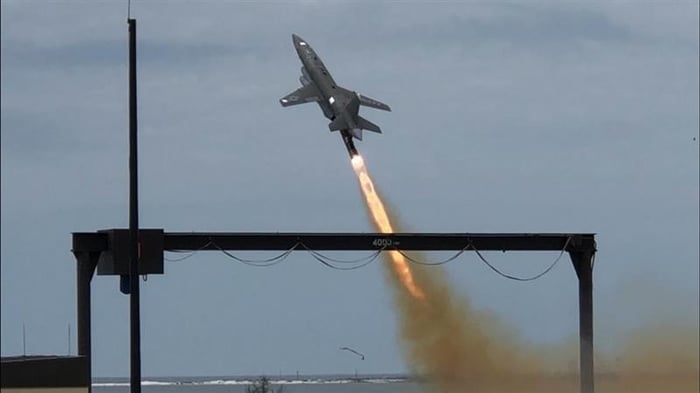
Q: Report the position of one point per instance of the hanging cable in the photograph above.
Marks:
(190, 253)
(428, 263)
(366, 260)
(261, 262)
(353, 261)
(325, 260)
(330, 265)
(535, 277)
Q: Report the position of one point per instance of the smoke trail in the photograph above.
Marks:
(456, 348)
(445, 340)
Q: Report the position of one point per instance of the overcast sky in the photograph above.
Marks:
(507, 117)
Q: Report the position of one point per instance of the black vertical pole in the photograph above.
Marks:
(583, 263)
(133, 219)
(87, 261)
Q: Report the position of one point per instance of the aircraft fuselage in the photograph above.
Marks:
(338, 104)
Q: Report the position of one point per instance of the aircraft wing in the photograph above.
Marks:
(372, 103)
(302, 95)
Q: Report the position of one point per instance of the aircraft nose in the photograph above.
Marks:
(296, 39)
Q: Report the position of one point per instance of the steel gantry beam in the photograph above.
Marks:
(104, 250)
(278, 241)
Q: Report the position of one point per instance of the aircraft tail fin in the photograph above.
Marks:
(367, 125)
(355, 123)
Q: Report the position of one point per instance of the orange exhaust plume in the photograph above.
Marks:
(381, 220)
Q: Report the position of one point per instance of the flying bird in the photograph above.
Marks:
(353, 351)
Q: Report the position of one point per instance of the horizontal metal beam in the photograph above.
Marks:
(253, 241)
(370, 241)
(90, 242)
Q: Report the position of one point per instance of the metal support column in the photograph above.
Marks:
(583, 264)
(87, 262)
(134, 302)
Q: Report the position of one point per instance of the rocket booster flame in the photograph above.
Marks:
(381, 220)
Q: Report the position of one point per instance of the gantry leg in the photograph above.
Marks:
(87, 262)
(583, 263)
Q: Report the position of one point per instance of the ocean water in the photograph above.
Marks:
(325, 384)
(393, 384)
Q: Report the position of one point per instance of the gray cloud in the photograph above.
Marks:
(112, 53)
(534, 26)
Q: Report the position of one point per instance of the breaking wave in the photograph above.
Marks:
(248, 381)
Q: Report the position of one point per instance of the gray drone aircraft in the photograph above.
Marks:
(339, 105)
